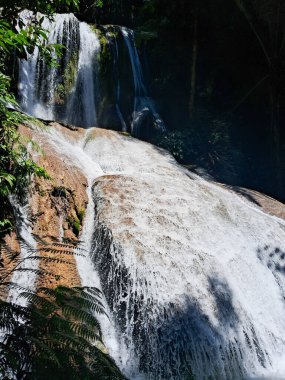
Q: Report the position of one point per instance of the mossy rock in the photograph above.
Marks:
(64, 88)
(75, 225)
(81, 215)
(105, 56)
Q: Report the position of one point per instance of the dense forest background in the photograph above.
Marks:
(216, 71)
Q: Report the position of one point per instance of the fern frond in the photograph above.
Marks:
(38, 272)
(43, 351)
(60, 251)
(49, 259)
(38, 301)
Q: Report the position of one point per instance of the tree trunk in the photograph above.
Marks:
(194, 66)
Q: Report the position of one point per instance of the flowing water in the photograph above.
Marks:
(118, 87)
(67, 92)
(70, 92)
(23, 275)
(143, 104)
(193, 276)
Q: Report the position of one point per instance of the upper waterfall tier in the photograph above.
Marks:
(193, 273)
(98, 80)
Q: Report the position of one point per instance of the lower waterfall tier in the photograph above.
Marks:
(193, 274)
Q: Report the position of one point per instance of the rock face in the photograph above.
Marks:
(57, 206)
(193, 274)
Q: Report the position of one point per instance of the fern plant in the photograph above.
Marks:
(57, 335)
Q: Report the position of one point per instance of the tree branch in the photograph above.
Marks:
(242, 8)
(249, 93)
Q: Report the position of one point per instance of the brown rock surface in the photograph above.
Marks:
(57, 206)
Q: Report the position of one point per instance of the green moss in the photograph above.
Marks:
(105, 56)
(68, 80)
(75, 225)
(81, 214)
(125, 134)
(32, 122)
(95, 29)
(70, 73)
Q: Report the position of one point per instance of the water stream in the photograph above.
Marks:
(199, 286)
(70, 92)
(22, 276)
(193, 276)
(143, 104)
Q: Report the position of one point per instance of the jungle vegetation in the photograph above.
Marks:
(215, 69)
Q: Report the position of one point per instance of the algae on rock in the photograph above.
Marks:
(69, 76)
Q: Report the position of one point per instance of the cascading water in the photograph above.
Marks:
(143, 104)
(23, 276)
(76, 153)
(70, 92)
(118, 86)
(67, 92)
(193, 275)
(177, 265)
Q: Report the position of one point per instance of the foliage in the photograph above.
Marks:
(174, 142)
(26, 39)
(12, 8)
(19, 36)
(206, 144)
(16, 165)
(57, 334)
(58, 337)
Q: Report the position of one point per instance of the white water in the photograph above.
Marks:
(40, 84)
(81, 108)
(143, 104)
(205, 272)
(75, 152)
(70, 92)
(22, 276)
(194, 274)
(118, 89)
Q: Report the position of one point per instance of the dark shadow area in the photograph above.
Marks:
(273, 258)
(222, 294)
(177, 340)
(244, 193)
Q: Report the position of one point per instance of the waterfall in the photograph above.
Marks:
(118, 87)
(28, 245)
(193, 275)
(75, 152)
(68, 91)
(143, 104)
(196, 288)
